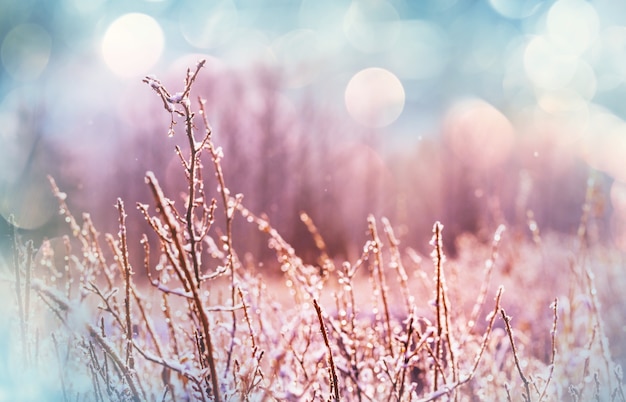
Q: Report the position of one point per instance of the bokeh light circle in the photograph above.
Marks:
(372, 26)
(478, 133)
(84, 8)
(28, 203)
(206, 25)
(25, 51)
(132, 44)
(603, 143)
(609, 57)
(572, 26)
(515, 9)
(374, 97)
(546, 66)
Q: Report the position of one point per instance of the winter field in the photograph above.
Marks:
(179, 312)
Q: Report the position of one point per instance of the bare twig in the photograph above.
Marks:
(483, 346)
(229, 211)
(326, 263)
(30, 252)
(555, 307)
(441, 306)
(245, 312)
(620, 380)
(17, 249)
(406, 356)
(509, 330)
(376, 248)
(396, 263)
(110, 350)
(489, 264)
(130, 361)
(449, 388)
(188, 275)
(334, 382)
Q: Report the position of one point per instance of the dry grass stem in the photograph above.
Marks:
(376, 247)
(334, 382)
(509, 330)
(488, 271)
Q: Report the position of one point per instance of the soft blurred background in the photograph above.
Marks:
(474, 113)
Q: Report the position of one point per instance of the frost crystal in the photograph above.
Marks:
(177, 97)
